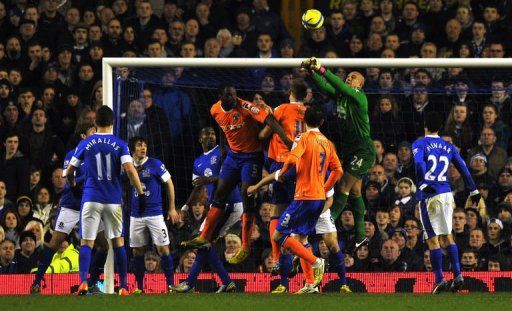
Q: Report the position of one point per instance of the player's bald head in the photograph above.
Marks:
(355, 79)
(228, 96)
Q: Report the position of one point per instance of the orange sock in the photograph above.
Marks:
(212, 220)
(308, 271)
(298, 249)
(247, 227)
(276, 249)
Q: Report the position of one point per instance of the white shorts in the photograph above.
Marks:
(234, 213)
(66, 220)
(436, 215)
(142, 227)
(325, 223)
(92, 215)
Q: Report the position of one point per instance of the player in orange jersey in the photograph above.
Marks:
(312, 156)
(291, 118)
(239, 120)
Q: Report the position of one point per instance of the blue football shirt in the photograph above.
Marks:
(68, 200)
(103, 155)
(152, 174)
(432, 157)
(208, 165)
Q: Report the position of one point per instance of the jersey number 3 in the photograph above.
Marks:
(430, 175)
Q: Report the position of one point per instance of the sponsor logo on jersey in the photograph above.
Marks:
(213, 160)
(208, 172)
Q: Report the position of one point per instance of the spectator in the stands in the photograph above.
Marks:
(495, 155)
(43, 205)
(458, 126)
(11, 222)
(267, 21)
(469, 261)
(57, 185)
(389, 260)
(14, 168)
(338, 33)
(145, 22)
(478, 244)
(112, 41)
(7, 263)
(410, 16)
(460, 231)
(478, 167)
(491, 119)
(25, 209)
(26, 257)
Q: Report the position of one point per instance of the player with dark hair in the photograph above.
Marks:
(357, 148)
(67, 219)
(311, 156)
(103, 155)
(291, 118)
(432, 157)
(239, 120)
(206, 174)
(148, 220)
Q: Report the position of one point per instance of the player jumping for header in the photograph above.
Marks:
(358, 150)
(239, 121)
(432, 156)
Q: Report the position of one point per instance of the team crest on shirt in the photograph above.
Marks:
(236, 116)
(213, 160)
(208, 172)
(61, 225)
(146, 173)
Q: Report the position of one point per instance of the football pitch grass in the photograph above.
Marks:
(262, 302)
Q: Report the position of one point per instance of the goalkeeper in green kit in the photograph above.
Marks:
(358, 150)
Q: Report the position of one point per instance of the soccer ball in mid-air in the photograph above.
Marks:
(312, 19)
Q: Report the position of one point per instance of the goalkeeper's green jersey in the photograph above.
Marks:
(352, 106)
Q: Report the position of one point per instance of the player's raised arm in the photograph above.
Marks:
(278, 129)
(352, 87)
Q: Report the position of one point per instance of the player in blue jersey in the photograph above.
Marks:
(206, 173)
(150, 221)
(67, 219)
(103, 154)
(432, 156)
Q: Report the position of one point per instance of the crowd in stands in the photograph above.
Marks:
(50, 82)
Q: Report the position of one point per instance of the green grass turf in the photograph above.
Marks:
(261, 302)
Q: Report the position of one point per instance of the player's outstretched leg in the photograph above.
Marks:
(359, 210)
(46, 259)
(276, 249)
(189, 284)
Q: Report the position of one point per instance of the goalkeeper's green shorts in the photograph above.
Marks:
(357, 160)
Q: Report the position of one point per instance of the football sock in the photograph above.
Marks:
(307, 268)
(212, 220)
(168, 268)
(436, 259)
(247, 227)
(285, 267)
(217, 266)
(453, 252)
(276, 249)
(43, 264)
(338, 262)
(120, 260)
(339, 205)
(197, 267)
(139, 267)
(298, 249)
(359, 208)
(84, 262)
(98, 263)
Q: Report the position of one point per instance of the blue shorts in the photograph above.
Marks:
(300, 217)
(242, 167)
(282, 192)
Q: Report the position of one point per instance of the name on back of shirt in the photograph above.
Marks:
(431, 146)
(107, 141)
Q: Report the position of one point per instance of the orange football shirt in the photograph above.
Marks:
(291, 118)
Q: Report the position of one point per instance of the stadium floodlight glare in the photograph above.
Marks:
(109, 63)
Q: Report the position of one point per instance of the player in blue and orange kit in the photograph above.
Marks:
(150, 221)
(239, 121)
(67, 219)
(206, 173)
(103, 154)
(432, 156)
(312, 156)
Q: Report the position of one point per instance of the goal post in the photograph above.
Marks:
(109, 64)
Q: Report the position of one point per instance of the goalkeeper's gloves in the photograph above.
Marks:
(316, 66)
(142, 203)
(306, 64)
(475, 197)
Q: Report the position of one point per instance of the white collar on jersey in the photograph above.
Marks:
(208, 152)
(315, 129)
(297, 103)
(103, 133)
(432, 136)
(141, 163)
